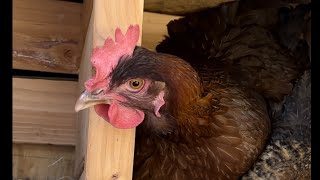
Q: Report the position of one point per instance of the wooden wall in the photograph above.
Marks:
(46, 35)
(42, 162)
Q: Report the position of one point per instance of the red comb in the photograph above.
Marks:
(105, 58)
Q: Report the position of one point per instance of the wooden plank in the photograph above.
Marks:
(180, 7)
(43, 111)
(83, 116)
(85, 19)
(155, 28)
(109, 153)
(39, 162)
(46, 35)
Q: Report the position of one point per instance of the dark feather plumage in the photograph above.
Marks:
(247, 60)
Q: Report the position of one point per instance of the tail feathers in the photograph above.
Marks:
(245, 42)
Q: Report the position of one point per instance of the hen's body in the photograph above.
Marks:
(215, 135)
(205, 115)
(215, 121)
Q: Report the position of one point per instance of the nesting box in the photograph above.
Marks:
(52, 46)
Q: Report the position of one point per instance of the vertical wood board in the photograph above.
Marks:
(109, 151)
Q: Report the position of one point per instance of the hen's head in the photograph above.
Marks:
(132, 84)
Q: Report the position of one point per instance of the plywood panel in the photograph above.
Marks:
(180, 7)
(85, 19)
(42, 162)
(43, 111)
(83, 116)
(46, 35)
(49, 35)
(155, 28)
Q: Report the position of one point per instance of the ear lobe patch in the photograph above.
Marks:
(158, 103)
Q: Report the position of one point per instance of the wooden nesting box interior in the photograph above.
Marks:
(52, 45)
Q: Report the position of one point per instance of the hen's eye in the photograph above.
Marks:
(136, 84)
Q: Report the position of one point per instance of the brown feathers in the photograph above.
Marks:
(217, 137)
(202, 113)
(220, 113)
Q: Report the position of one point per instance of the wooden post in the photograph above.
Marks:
(104, 152)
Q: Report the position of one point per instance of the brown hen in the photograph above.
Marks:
(203, 115)
(260, 38)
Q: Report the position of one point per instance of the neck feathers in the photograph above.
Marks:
(182, 87)
(182, 82)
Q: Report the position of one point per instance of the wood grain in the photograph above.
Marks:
(42, 162)
(49, 35)
(85, 19)
(155, 28)
(46, 35)
(83, 116)
(43, 111)
(109, 151)
(180, 7)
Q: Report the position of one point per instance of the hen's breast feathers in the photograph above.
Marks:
(232, 126)
(218, 136)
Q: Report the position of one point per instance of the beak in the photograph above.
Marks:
(88, 99)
